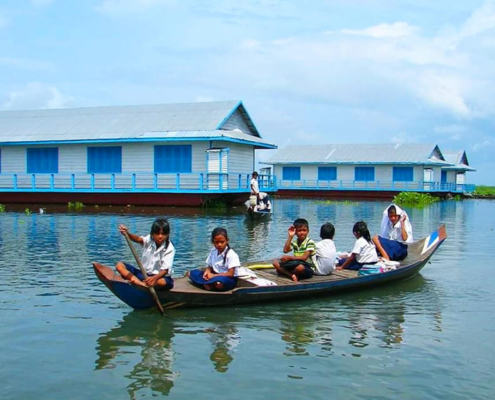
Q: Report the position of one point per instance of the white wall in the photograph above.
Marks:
(346, 172)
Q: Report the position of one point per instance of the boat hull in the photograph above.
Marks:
(184, 294)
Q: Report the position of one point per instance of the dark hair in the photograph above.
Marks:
(392, 208)
(219, 231)
(160, 225)
(255, 173)
(327, 231)
(361, 229)
(300, 222)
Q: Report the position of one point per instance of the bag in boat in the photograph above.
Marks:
(370, 269)
(378, 268)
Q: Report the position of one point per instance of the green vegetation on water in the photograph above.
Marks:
(339, 202)
(414, 199)
(78, 206)
(484, 190)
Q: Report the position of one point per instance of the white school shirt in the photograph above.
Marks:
(324, 257)
(216, 261)
(155, 259)
(365, 252)
(395, 232)
(254, 186)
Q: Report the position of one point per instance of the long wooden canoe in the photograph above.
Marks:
(269, 286)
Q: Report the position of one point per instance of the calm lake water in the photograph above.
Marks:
(65, 336)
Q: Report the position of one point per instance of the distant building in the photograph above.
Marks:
(367, 170)
(455, 173)
(171, 154)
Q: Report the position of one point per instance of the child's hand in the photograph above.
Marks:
(403, 217)
(285, 258)
(292, 231)
(123, 229)
(150, 280)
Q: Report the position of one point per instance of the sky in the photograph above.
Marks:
(307, 71)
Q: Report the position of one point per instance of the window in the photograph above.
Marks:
(403, 174)
(104, 160)
(291, 173)
(42, 160)
(327, 173)
(364, 174)
(444, 177)
(170, 159)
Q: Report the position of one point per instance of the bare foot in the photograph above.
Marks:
(187, 274)
(137, 282)
(294, 277)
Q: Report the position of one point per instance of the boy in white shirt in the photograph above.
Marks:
(325, 253)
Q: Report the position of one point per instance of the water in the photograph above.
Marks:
(65, 336)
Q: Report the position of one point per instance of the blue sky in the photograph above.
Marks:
(308, 71)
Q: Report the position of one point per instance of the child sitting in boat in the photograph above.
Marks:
(395, 234)
(222, 263)
(363, 252)
(299, 265)
(157, 257)
(325, 255)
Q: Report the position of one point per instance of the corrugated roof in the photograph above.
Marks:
(195, 120)
(388, 153)
(458, 159)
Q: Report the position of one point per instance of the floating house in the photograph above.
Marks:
(172, 154)
(366, 170)
(454, 175)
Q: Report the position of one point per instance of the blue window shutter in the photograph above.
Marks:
(364, 173)
(105, 160)
(327, 173)
(42, 160)
(402, 174)
(173, 159)
(291, 173)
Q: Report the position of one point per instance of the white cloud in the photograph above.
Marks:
(200, 99)
(404, 137)
(453, 132)
(113, 7)
(395, 30)
(37, 95)
(481, 145)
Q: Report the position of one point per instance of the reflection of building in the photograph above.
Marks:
(172, 154)
(366, 170)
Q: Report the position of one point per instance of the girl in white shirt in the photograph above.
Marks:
(364, 250)
(157, 257)
(222, 265)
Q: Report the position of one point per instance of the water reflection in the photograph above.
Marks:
(144, 342)
(349, 322)
(225, 338)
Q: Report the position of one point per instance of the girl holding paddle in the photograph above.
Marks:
(157, 257)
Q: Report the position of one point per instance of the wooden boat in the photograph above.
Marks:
(268, 286)
(258, 215)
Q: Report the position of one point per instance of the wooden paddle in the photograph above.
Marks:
(143, 271)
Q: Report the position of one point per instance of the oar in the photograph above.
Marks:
(143, 271)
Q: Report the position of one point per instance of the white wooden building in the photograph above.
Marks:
(190, 149)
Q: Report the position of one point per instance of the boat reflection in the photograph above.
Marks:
(344, 324)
